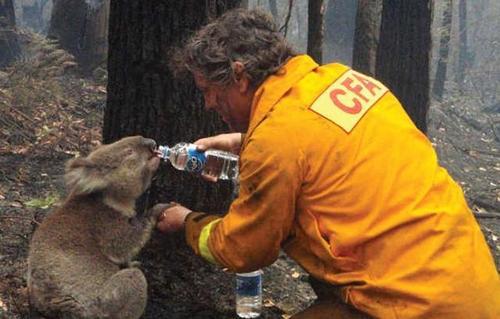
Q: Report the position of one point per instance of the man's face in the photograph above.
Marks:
(232, 102)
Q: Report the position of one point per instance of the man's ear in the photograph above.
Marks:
(240, 76)
(83, 177)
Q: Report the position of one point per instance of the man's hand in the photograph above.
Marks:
(225, 142)
(172, 218)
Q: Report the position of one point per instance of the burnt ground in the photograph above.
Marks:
(48, 119)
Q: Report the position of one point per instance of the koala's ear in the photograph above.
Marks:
(83, 177)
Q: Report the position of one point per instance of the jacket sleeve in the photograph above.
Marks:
(250, 235)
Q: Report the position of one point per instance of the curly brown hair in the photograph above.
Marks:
(247, 36)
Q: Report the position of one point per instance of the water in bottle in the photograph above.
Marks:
(215, 163)
(249, 294)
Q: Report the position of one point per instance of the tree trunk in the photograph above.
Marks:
(9, 44)
(366, 36)
(316, 11)
(339, 25)
(81, 28)
(462, 47)
(67, 24)
(95, 36)
(144, 98)
(444, 48)
(403, 55)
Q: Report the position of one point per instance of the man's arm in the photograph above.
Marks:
(250, 235)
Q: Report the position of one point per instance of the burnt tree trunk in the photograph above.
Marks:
(366, 36)
(444, 49)
(462, 46)
(339, 30)
(67, 23)
(81, 28)
(403, 55)
(145, 99)
(9, 44)
(316, 11)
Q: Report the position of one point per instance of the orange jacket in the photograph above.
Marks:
(333, 171)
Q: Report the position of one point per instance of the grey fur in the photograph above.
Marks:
(80, 256)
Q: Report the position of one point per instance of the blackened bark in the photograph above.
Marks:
(67, 23)
(444, 48)
(403, 55)
(81, 29)
(316, 11)
(9, 43)
(366, 36)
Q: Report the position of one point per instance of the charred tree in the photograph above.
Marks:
(67, 23)
(403, 55)
(444, 49)
(339, 30)
(81, 28)
(9, 43)
(462, 38)
(145, 99)
(316, 11)
(366, 36)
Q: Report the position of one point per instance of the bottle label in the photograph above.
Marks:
(249, 286)
(196, 160)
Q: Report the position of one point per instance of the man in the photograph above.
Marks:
(332, 171)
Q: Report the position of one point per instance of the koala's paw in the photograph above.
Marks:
(157, 209)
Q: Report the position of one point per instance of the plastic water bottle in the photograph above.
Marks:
(215, 163)
(249, 294)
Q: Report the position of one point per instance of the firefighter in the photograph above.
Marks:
(334, 172)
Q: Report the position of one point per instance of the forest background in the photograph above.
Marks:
(68, 66)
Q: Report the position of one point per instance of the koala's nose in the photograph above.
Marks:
(150, 143)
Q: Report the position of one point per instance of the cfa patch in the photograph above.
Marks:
(348, 99)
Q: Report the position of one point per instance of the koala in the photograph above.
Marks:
(80, 258)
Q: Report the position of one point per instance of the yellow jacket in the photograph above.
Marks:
(333, 171)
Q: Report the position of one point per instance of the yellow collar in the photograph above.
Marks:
(275, 86)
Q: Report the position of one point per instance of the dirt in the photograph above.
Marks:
(32, 165)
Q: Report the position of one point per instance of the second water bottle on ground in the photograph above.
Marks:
(214, 163)
(249, 294)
